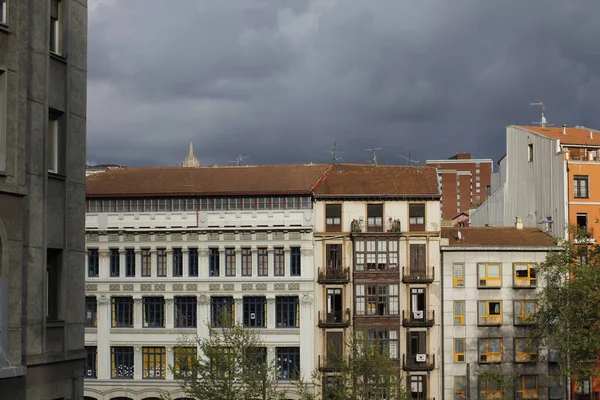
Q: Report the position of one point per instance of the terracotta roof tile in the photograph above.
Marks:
(230, 180)
(497, 236)
(575, 136)
(381, 180)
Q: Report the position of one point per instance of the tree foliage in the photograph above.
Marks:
(568, 317)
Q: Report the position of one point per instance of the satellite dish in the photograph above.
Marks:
(459, 235)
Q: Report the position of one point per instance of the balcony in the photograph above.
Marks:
(418, 362)
(422, 275)
(334, 275)
(584, 235)
(329, 364)
(418, 319)
(334, 319)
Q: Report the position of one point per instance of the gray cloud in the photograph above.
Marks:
(281, 80)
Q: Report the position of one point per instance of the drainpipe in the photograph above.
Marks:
(442, 324)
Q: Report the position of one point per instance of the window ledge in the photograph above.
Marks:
(55, 324)
(58, 57)
(4, 28)
(12, 372)
(56, 176)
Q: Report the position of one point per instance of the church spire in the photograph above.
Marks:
(191, 160)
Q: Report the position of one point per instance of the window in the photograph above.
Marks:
(527, 387)
(234, 204)
(129, 262)
(91, 311)
(249, 203)
(52, 145)
(191, 204)
(524, 351)
(193, 262)
(56, 26)
(108, 205)
(376, 300)
(263, 203)
(177, 204)
(185, 358)
(524, 309)
(374, 254)
(417, 304)
(53, 259)
(418, 387)
(3, 101)
(94, 206)
(490, 350)
(490, 275)
(459, 312)
(580, 186)
(230, 262)
(418, 260)
(246, 262)
(115, 263)
(177, 262)
(206, 204)
(288, 362)
(459, 350)
(525, 276)
(333, 218)
(277, 203)
(146, 262)
(278, 261)
(220, 204)
(490, 387)
(154, 363)
(305, 203)
(490, 312)
(582, 222)
(385, 340)
(136, 205)
(255, 312)
(221, 308)
(263, 262)
(185, 312)
(154, 312)
(149, 204)
(530, 152)
(295, 265)
(460, 387)
(121, 362)
(161, 262)
(122, 205)
(91, 362)
(122, 312)
(93, 263)
(4, 12)
(374, 217)
(213, 262)
(416, 217)
(458, 274)
(287, 312)
(164, 204)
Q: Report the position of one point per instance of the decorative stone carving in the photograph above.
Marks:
(145, 287)
(203, 252)
(103, 299)
(307, 252)
(114, 287)
(228, 287)
(130, 237)
(159, 287)
(191, 287)
(262, 236)
(238, 299)
(261, 286)
(306, 299)
(192, 236)
(247, 286)
(213, 236)
(177, 287)
(278, 236)
(280, 286)
(128, 287)
(169, 301)
(137, 301)
(229, 236)
(113, 237)
(160, 237)
(144, 237)
(245, 236)
(294, 236)
(203, 300)
(91, 287)
(214, 287)
(293, 286)
(176, 237)
(271, 300)
(92, 237)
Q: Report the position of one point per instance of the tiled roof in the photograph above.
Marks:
(381, 180)
(229, 180)
(497, 236)
(575, 136)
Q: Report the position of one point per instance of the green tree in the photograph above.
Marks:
(231, 364)
(567, 320)
(365, 372)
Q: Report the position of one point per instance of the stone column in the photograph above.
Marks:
(221, 262)
(271, 262)
(239, 309)
(186, 261)
(170, 360)
(271, 316)
(103, 334)
(202, 263)
(254, 261)
(287, 270)
(306, 264)
(169, 253)
(203, 316)
(238, 261)
(138, 312)
(104, 263)
(153, 263)
(87, 264)
(138, 262)
(169, 313)
(307, 334)
(122, 263)
(137, 363)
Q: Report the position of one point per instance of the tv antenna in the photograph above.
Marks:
(333, 151)
(408, 159)
(542, 122)
(239, 159)
(373, 151)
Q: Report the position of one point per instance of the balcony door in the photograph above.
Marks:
(335, 346)
(417, 304)
(417, 347)
(418, 387)
(333, 258)
(418, 260)
(334, 305)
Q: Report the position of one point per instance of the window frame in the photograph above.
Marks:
(288, 363)
(93, 263)
(529, 279)
(256, 305)
(115, 263)
(124, 354)
(213, 262)
(122, 312)
(486, 276)
(368, 254)
(262, 257)
(193, 262)
(189, 354)
(161, 262)
(457, 279)
(369, 297)
(486, 391)
(3, 21)
(91, 362)
(578, 187)
(287, 312)
(487, 316)
(460, 394)
(56, 28)
(146, 255)
(522, 393)
(415, 219)
(230, 261)
(218, 304)
(459, 356)
(153, 358)
(91, 312)
(375, 213)
(186, 307)
(3, 113)
(177, 262)
(497, 356)
(246, 261)
(456, 315)
(521, 318)
(53, 283)
(130, 266)
(295, 261)
(522, 357)
(278, 261)
(54, 161)
(333, 217)
(153, 312)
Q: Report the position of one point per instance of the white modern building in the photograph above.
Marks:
(489, 287)
(168, 248)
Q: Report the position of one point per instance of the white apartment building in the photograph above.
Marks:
(489, 286)
(377, 235)
(168, 248)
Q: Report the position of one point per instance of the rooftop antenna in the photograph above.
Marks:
(239, 159)
(543, 122)
(374, 151)
(333, 151)
(408, 159)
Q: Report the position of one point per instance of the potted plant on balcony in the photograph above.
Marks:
(355, 226)
(395, 224)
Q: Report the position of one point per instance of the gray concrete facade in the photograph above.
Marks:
(42, 213)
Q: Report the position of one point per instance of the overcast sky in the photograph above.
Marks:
(281, 80)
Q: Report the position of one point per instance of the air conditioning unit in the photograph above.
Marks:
(418, 314)
(420, 357)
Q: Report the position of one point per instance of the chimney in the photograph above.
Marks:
(591, 135)
(564, 129)
(519, 223)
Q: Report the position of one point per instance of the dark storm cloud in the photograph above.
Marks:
(281, 80)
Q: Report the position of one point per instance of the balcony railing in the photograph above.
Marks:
(334, 275)
(334, 319)
(421, 275)
(418, 319)
(418, 362)
(328, 365)
(584, 235)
